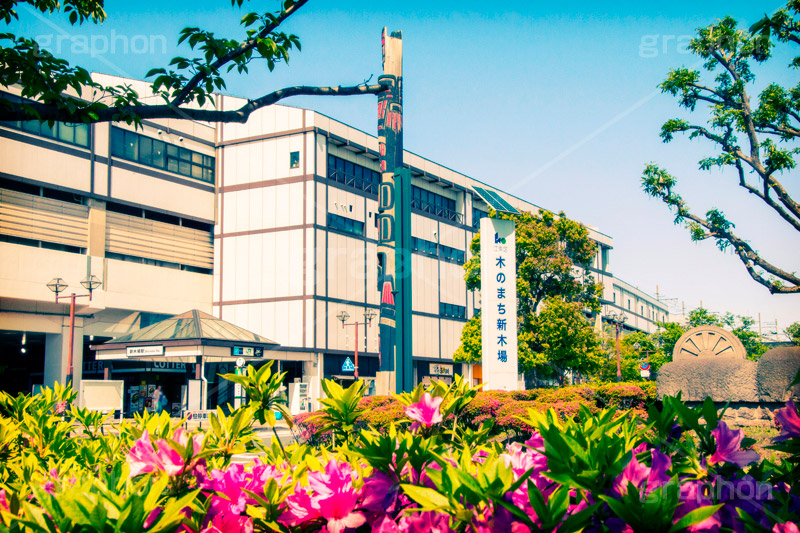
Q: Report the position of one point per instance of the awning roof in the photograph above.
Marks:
(192, 325)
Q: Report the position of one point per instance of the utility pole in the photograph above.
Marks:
(394, 227)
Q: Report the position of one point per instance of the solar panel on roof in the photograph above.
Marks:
(495, 200)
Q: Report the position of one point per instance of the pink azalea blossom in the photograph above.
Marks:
(427, 522)
(425, 412)
(789, 421)
(329, 495)
(637, 473)
(143, 458)
(339, 510)
(385, 525)
(4, 501)
(728, 447)
(229, 523)
(693, 496)
(788, 527)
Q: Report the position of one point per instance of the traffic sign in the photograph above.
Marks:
(645, 366)
(348, 365)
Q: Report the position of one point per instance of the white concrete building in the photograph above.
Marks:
(269, 225)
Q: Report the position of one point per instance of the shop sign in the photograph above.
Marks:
(138, 351)
(499, 304)
(246, 351)
(441, 370)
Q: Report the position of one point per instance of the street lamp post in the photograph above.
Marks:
(369, 314)
(57, 285)
(618, 320)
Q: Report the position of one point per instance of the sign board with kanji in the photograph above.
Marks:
(499, 304)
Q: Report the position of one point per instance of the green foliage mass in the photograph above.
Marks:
(553, 334)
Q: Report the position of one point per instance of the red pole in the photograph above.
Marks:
(356, 372)
(619, 370)
(71, 334)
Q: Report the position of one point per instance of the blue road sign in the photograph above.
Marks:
(348, 365)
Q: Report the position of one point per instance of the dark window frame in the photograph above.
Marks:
(126, 144)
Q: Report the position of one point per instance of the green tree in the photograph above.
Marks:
(793, 332)
(757, 141)
(630, 357)
(562, 340)
(549, 246)
(58, 91)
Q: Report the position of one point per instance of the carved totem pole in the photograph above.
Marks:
(394, 223)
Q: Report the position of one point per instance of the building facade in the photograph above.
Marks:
(270, 225)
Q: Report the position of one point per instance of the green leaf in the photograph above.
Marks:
(695, 517)
(427, 498)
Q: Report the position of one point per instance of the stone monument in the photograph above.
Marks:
(709, 361)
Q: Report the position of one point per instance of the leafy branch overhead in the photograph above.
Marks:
(61, 92)
(757, 142)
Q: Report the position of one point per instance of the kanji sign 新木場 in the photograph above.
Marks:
(499, 304)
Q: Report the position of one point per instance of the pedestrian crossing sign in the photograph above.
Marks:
(348, 366)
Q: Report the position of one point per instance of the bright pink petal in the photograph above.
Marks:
(426, 411)
(142, 458)
(169, 457)
(788, 527)
(789, 420)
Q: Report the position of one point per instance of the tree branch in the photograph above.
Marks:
(52, 112)
(750, 258)
(245, 46)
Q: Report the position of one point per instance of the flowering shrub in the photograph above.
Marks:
(578, 467)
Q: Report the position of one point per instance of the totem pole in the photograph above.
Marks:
(394, 223)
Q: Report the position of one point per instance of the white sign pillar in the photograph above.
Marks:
(499, 304)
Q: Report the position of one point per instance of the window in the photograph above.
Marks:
(452, 310)
(154, 153)
(352, 175)
(430, 248)
(477, 215)
(629, 304)
(434, 204)
(77, 134)
(347, 225)
(294, 159)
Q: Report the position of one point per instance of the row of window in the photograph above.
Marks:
(155, 215)
(154, 153)
(452, 310)
(437, 250)
(347, 225)
(353, 175)
(77, 134)
(434, 204)
(653, 314)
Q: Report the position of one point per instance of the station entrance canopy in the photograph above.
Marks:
(186, 337)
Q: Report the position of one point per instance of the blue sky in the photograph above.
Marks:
(557, 103)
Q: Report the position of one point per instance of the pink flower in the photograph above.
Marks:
(60, 407)
(143, 459)
(152, 517)
(339, 510)
(329, 495)
(788, 527)
(693, 496)
(427, 522)
(425, 412)
(385, 525)
(728, 447)
(638, 474)
(789, 421)
(4, 501)
(229, 523)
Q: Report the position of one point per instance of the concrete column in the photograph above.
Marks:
(56, 355)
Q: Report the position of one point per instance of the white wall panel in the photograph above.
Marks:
(28, 161)
(161, 194)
